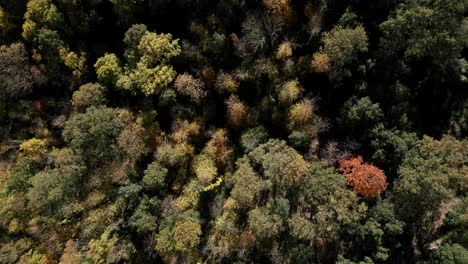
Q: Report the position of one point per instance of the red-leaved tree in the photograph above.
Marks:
(366, 180)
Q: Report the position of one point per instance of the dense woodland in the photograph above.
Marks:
(233, 131)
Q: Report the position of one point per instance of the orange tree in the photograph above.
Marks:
(366, 180)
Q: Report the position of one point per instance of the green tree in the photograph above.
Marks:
(43, 27)
(41, 14)
(265, 225)
(90, 94)
(432, 173)
(108, 69)
(450, 254)
(93, 134)
(154, 177)
(109, 248)
(426, 29)
(342, 47)
(145, 217)
(147, 69)
(54, 187)
(179, 238)
(358, 116)
(247, 184)
(281, 164)
(253, 137)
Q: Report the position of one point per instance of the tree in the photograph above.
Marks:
(279, 8)
(247, 184)
(301, 114)
(390, 146)
(424, 29)
(265, 225)
(341, 47)
(236, 111)
(253, 137)
(41, 14)
(281, 164)
(218, 148)
(450, 254)
(179, 238)
(185, 84)
(74, 61)
(328, 204)
(147, 69)
(70, 254)
(132, 140)
(109, 248)
(154, 177)
(4, 25)
(54, 187)
(205, 169)
(187, 234)
(366, 180)
(284, 50)
(321, 63)
(15, 71)
(290, 91)
(108, 69)
(158, 48)
(90, 94)
(225, 82)
(358, 116)
(430, 174)
(43, 27)
(22, 173)
(93, 134)
(33, 148)
(145, 217)
(133, 36)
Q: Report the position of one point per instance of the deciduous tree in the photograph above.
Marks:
(365, 179)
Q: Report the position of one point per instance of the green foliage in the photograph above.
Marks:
(390, 146)
(20, 178)
(424, 29)
(179, 237)
(342, 46)
(134, 34)
(280, 163)
(450, 254)
(155, 177)
(247, 184)
(88, 95)
(144, 219)
(359, 115)
(210, 132)
(264, 224)
(148, 80)
(299, 139)
(109, 248)
(41, 14)
(108, 68)
(54, 187)
(205, 169)
(432, 173)
(147, 70)
(93, 134)
(158, 48)
(253, 137)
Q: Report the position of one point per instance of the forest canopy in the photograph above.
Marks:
(233, 131)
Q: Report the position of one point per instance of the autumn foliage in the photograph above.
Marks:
(366, 179)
